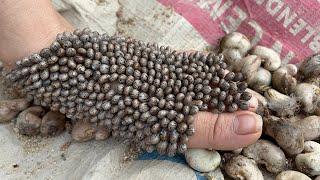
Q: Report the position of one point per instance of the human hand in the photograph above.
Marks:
(26, 27)
(30, 25)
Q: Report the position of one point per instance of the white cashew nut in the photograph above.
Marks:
(248, 66)
(283, 80)
(270, 58)
(309, 162)
(261, 80)
(240, 167)
(310, 127)
(268, 154)
(236, 40)
(308, 94)
(280, 103)
(292, 175)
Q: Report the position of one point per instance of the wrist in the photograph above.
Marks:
(27, 27)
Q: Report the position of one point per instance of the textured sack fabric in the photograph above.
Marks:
(290, 27)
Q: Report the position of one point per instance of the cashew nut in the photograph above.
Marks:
(215, 175)
(10, 108)
(261, 80)
(271, 59)
(241, 167)
(268, 154)
(283, 81)
(310, 67)
(248, 66)
(287, 135)
(236, 40)
(292, 69)
(296, 118)
(232, 56)
(308, 94)
(292, 175)
(309, 162)
(282, 104)
(310, 127)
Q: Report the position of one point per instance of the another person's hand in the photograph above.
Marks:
(29, 25)
(26, 27)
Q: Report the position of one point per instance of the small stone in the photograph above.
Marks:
(102, 134)
(10, 108)
(53, 123)
(28, 121)
(203, 160)
(83, 131)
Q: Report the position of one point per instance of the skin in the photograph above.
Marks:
(28, 26)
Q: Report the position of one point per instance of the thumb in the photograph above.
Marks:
(226, 131)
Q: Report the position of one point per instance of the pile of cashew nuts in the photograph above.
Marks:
(289, 102)
(289, 99)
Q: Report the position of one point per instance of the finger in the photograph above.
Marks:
(253, 104)
(227, 131)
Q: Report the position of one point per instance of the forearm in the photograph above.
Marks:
(26, 27)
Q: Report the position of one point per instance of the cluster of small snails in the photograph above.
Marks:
(141, 92)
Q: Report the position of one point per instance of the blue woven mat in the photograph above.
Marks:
(176, 159)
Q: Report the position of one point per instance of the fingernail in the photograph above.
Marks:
(247, 124)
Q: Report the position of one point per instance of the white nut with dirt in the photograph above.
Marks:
(309, 70)
(282, 104)
(232, 56)
(309, 161)
(292, 175)
(271, 59)
(310, 67)
(248, 66)
(268, 154)
(283, 79)
(241, 167)
(203, 160)
(9, 109)
(292, 69)
(287, 135)
(310, 127)
(215, 175)
(236, 40)
(309, 96)
(261, 80)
